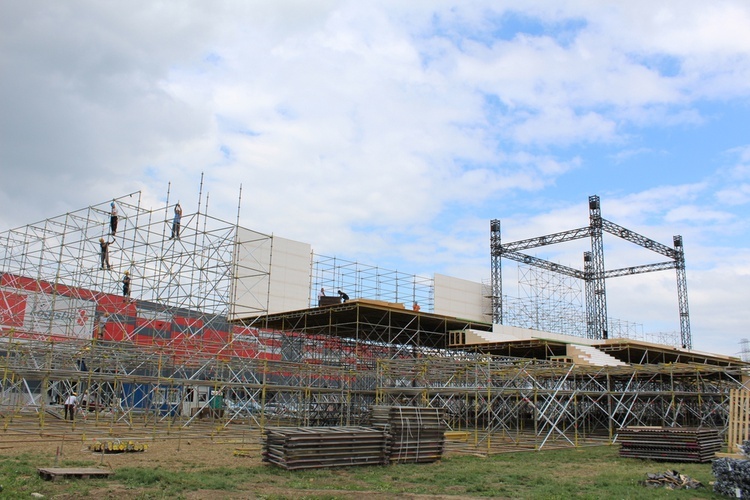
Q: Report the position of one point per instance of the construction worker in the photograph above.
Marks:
(126, 285)
(70, 406)
(176, 222)
(113, 218)
(104, 252)
(101, 326)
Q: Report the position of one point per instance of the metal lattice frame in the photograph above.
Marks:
(315, 377)
(594, 273)
(371, 282)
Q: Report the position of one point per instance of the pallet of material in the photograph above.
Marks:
(676, 444)
(56, 473)
(316, 447)
(417, 434)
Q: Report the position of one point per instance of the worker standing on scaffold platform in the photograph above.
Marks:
(70, 406)
(176, 222)
(113, 218)
(104, 252)
(126, 285)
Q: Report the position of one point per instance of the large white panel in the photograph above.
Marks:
(251, 272)
(271, 274)
(461, 299)
(290, 275)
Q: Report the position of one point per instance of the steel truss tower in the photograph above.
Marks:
(594, 273)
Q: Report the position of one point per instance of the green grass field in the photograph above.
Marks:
(594, 473)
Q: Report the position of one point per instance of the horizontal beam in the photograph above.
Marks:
(647, 268)
(633, 237)
(544, 264)
(549, 239)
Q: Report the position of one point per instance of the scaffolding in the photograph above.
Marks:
(166, 360)
(372, 282)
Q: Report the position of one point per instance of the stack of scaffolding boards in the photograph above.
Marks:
(417, 434)
(317, 447)
(674, 444)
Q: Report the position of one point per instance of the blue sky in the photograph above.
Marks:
(390, 133)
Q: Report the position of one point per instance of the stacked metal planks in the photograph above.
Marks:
(417, 434)
(675, 444)
(318, 447)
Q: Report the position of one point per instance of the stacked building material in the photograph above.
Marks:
(417, 434)
(317, 447)
(675, 444)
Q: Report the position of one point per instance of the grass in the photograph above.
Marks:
(586, 473)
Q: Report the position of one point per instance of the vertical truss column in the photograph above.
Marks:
(497, 273)
(599, 312)
(590, 296)
(686, 338)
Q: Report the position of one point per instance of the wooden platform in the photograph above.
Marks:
(56, 473)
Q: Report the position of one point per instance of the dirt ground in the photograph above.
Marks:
(200, 447)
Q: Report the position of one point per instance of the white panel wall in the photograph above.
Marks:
(271, 274)
(461, 299)
(251, 273)
(290, 275)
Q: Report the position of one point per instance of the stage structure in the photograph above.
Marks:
(593, 274)
(209, 342)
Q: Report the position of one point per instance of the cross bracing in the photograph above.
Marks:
(168, 359)
(594, 274)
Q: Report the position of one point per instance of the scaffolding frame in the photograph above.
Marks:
(372, 282)
(321, 366)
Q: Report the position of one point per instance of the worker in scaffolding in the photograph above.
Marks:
(126, 285)
(70, 406)
(102, 326)
(176, 222)
(113, 218)
(344, 297)
(104, 252)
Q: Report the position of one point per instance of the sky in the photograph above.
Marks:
(390, 133)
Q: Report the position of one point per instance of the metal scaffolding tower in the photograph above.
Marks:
(594, 273)
(167, 359)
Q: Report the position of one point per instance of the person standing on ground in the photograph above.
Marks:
(176, 222)
(126, 285)
(104, 246)
(70, 406)
(113, 218)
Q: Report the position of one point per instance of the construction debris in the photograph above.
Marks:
(117, 446)
(674, 444)
(672, 480)
(732, 477)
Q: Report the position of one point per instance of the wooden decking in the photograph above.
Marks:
(56, 473)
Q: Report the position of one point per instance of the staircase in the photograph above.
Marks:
(591, 356)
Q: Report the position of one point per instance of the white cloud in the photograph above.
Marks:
(391, 130)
